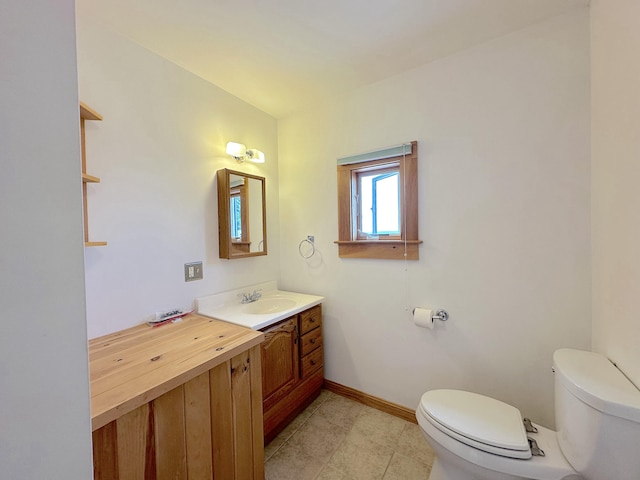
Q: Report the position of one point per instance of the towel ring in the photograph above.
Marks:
(310, 241)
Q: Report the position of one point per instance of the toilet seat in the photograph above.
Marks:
(553, 466)
(478, 421)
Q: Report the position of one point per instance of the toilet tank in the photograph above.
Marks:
(597, 413)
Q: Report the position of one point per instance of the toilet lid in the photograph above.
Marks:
(478, 421)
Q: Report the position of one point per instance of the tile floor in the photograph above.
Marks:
(336, 438)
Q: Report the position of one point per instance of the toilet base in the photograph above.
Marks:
(447, 466)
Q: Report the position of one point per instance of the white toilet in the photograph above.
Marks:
(597, 412)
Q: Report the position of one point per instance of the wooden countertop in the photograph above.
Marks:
(132, 367)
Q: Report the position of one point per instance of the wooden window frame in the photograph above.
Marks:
(406, 247)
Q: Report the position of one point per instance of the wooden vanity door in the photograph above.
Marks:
(280, 361)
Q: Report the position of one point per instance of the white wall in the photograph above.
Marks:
(615, 41)
(504, 171)
(45, 427)
(156, 151)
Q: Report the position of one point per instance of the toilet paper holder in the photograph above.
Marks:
(441, 315)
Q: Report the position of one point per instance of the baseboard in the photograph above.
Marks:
(371, 401)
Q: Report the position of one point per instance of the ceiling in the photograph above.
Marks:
(283, 55)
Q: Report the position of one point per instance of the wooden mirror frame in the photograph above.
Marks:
(228, 248)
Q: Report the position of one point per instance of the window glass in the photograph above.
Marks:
(378, 196)
(236, 217)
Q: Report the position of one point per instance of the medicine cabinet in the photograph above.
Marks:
(242, 226)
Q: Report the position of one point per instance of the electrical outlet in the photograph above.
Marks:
(192, 271)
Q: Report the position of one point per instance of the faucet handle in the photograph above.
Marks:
(256, 295)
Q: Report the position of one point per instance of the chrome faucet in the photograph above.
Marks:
(250, 297)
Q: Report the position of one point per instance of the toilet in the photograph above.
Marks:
(597, 411)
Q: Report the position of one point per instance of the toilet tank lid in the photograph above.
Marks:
(595, 380)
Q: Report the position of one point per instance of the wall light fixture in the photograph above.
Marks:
(240, 153)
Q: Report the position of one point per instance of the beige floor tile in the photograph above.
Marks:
(336, 438)
(297, 422)
(405, 468)
(359, 458)
(320, 399)
(273, 446)
(318, 438)
(330, 473)
(379, 426)
(339, 410)
(289, 463)
(413, 444)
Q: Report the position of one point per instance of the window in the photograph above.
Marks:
(236, 218)
(238, 212)
(378, 204)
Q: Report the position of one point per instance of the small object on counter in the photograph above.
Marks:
(172, 316)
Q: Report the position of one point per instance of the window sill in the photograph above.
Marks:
(384, 249)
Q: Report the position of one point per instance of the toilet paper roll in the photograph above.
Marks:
(422, 317)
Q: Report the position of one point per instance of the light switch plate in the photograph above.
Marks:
(192, 271)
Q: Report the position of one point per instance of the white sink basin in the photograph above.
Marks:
(275, 305)
(269, 305)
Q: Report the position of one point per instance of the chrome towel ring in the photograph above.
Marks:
(311, 241)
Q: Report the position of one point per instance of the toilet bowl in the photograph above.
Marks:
(493, 447)
(475, 437)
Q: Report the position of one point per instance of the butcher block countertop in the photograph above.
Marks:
(132, 367)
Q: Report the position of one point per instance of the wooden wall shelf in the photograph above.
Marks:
(90, 178)
(87, 113)
(95, 244)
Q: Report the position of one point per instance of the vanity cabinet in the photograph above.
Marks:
(181, 402)
(311, 353)
(280, 361)
(292, 368)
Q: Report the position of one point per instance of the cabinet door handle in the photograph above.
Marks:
(313, 362)
(312, 341)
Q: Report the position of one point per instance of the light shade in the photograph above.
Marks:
(236, 150)
(240, 153)
(255, 155)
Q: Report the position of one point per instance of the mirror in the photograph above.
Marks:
(242, 226)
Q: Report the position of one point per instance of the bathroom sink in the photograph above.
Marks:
(269, 305)
(273, 306)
